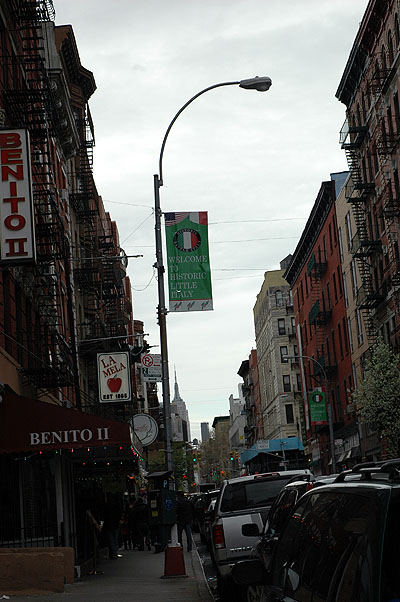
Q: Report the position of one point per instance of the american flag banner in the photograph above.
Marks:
(189, 274)
(197, 217)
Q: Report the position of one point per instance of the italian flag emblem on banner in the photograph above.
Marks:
(189, 275)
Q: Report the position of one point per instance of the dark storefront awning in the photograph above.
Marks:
(32, 425)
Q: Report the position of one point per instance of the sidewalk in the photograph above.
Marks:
(134, 577)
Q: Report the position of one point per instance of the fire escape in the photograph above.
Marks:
(361, 141)
(320, 316)
(31, 102)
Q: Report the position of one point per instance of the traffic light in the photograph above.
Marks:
(232, 457)
(194, 459)
(222, 472)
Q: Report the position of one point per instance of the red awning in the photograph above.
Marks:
(32, 425)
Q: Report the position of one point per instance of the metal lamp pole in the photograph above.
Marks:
(329, 408)
(262, 84)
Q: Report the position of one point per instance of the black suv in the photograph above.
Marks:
(340, 543)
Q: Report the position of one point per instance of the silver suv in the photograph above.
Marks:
(242, 501)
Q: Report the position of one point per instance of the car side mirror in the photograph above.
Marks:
(250, 530)
(269, 543)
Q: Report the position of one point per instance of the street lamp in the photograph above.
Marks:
(329, 409)
(261, 84)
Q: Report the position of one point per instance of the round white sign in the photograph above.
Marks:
(145, 427)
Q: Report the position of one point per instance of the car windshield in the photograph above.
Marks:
(251, 494)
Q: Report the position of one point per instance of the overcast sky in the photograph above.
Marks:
(254, 161)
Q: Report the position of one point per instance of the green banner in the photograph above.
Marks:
(318, 412)
(189, 276)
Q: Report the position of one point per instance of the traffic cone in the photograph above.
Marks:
(174, 563)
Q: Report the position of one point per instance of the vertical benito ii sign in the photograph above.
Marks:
(16, 201)
(114, 376)
(189, 275)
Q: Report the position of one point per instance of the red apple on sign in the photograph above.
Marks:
(114, 384)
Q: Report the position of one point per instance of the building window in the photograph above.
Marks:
(340, 244)
(360, 336)
(354, 375)
(346, 296)
(279, 298)
(328, 354)
(339, 281)
(284, 352)
(339, 411)
(340, 340)
(333, 347)
(353, 278)
(298, 382)
(286, 383)
(348, 231)
(334, 287)
(346, 345)
(281, 326)
(289, 414)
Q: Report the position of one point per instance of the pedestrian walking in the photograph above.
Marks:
(140, 525)
(111, 526)
(125, 533)
(184, 519)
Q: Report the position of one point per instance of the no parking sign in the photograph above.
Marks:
(151, 367)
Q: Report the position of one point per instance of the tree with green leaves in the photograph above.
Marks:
(377, 396)
(181, 460)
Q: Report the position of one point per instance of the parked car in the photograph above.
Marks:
(200, 511)
(282, 508)
(339, 544)
(242, 500)
(205, 533)
(279, 513)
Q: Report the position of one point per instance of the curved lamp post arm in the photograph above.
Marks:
(176, 117)
(261, 84)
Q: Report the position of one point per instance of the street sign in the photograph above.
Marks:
(114, 377)
(145, 427)
(151, 367)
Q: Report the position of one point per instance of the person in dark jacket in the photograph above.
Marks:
(184, 518)
(112, 517)
(139, 524)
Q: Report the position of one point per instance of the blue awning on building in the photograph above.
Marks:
(272, 446)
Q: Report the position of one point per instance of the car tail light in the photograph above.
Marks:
(309, 486)
(219, 539)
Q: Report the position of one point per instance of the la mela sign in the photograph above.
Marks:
(114, 372)
(16, 199)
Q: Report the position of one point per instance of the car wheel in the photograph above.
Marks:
(256, 593)
(229, 591)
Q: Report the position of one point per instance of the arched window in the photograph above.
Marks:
(390, 47)
(396, 31)
(359, 119)
(364, 106)
(384, 61)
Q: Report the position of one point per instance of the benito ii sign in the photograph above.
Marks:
(114, 377)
